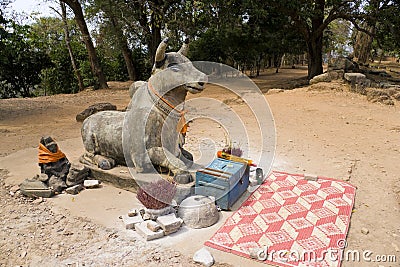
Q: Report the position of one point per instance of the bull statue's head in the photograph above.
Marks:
(174, 69)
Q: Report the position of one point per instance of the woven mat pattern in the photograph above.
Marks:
(296, 221)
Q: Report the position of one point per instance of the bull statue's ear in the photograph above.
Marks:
(185, 48)
(160, 53)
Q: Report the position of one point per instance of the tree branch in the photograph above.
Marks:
(358, 28)
(334, 14)
(55, 10)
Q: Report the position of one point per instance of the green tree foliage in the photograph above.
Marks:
(337, 38)
(113, 61)
(246, 36)
(388, 27)
(59, 76)
(112, 26)
(311, 18)
(379, 31)
(144, 19)
(98, 74)
(20, 61)
(120, 59)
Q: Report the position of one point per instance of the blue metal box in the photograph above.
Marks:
(223, 179)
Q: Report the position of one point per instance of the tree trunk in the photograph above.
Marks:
(277, 62)
(151, 26)
(269, 62)
(127, 53)
(123, 45)
(76, 7)
(362, 49)
(314, 42)
(258, 64)
(68, 43)
(314, 49)
(155, 39)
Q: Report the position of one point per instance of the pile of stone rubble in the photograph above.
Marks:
(386, 91)
(193, 212)
(150, 229)
(57, 177)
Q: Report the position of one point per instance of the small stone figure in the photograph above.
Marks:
(53, 163)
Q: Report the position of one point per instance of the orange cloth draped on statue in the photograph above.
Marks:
(46, 156)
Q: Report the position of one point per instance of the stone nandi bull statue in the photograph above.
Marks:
(152, 107)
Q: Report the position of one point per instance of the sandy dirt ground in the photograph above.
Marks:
(321, 129)
(34, 234)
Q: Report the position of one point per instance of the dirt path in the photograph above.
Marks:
(321, 129)
(286, 78)
(24, 120)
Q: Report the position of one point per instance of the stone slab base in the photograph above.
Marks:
(120, 177)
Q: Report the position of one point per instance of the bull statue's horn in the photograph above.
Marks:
(185, 48)
(160, 53)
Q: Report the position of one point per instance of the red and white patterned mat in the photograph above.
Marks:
(290, 221)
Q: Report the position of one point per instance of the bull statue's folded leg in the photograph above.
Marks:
(100, 161)
(164, 158)
(87, 158)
